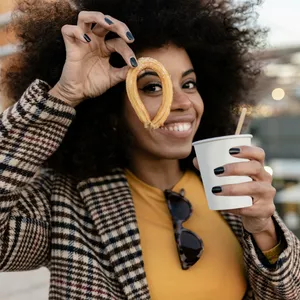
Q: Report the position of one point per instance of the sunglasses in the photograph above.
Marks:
(189, 245)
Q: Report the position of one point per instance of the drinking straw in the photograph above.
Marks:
(241, 121)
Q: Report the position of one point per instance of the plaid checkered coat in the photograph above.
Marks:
(86, 232)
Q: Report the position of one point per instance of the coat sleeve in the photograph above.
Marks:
(280, 280)
(30, 132)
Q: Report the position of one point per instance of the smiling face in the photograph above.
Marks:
(174, 139)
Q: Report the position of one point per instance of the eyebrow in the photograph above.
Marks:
(151, 73)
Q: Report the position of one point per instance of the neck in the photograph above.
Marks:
(162, 174)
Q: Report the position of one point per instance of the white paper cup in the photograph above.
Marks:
(214, 153)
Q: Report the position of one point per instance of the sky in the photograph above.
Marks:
(283, 19)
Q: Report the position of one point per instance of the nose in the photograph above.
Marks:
(181, 101)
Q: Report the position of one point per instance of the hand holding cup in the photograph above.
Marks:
(257, 217)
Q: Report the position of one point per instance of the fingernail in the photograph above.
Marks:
(133, 62)
(129, 35)
(108, 21)
(234, 151)
(86, 37)
(217, 189)
(219, 171)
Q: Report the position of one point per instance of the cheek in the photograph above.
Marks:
(199, 105)
(135, 126)
(151, 104)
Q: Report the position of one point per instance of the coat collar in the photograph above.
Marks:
(110, 204)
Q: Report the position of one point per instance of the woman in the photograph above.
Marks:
(97, 213)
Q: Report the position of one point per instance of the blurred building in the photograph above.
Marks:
(276, 118)
(276, 127)
(279, 85)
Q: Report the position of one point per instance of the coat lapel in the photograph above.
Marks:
(235, 223)
(110, 204)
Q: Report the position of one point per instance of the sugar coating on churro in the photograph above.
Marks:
(134, 97)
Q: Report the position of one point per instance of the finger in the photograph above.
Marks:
(252, 188)
(119, 27)
(255, 211)
(249, 152)
(195, 162)
(73, 34)
(100, 31)
(120, 46)
(252, 168)
(87, 18)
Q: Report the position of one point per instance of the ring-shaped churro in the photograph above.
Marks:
(134, 97)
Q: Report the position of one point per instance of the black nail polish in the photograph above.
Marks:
(217, 189)
(133, 62)
(234, 151)
(108, 21)
(129, 35)
(86, 37)
(219, 171)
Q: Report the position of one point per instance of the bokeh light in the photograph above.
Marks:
(278, 94)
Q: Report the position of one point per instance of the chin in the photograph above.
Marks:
(177, 152)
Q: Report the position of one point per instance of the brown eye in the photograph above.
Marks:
(152, 88)
(190, 85)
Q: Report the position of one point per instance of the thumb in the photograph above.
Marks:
(119, 74)
(72, 35)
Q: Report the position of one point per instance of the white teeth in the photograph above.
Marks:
(186, 126)
(181, 127)
(178, 127)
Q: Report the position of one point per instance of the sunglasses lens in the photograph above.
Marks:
(180, 209)
(191, 246)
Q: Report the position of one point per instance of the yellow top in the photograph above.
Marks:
(273, 254)
(219, 273)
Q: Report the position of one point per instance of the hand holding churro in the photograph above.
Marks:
(134, 98)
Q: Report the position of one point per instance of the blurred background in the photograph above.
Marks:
(275, 124)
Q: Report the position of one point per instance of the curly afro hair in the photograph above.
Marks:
(219, 36)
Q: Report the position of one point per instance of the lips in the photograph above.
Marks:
(190, 118)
